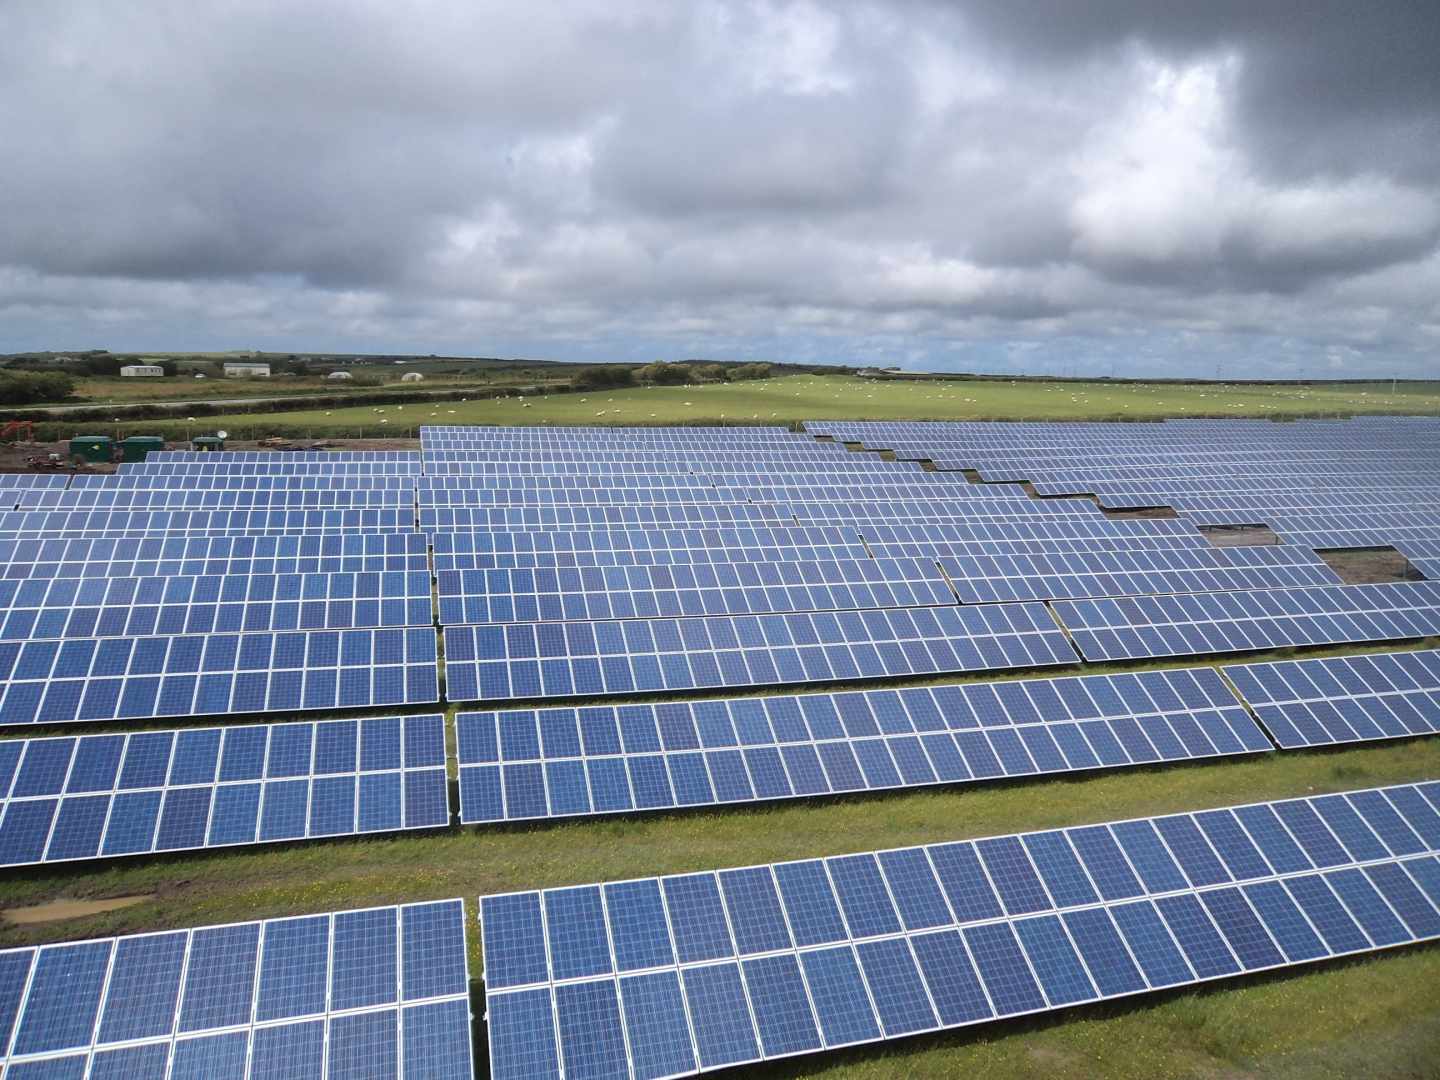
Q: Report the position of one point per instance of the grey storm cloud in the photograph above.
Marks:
(1127, 186)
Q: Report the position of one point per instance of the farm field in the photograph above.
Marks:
(792, 398)
(1337, 1018)
(184, 387)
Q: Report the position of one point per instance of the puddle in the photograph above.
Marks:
(56, 910)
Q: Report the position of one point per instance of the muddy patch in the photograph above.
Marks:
(1368, 566)
(1140, 513)
(56, 910)
(1239, 535)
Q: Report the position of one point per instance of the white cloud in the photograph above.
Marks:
(1164, 185)
(632, 178)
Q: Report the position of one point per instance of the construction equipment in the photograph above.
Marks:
(13, 430)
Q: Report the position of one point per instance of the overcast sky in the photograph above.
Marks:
(1136, 186)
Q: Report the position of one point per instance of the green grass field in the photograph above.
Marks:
(792, 398)
(1372, 1016)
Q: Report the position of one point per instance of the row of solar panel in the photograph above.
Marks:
(920, 538)
(683, 515)
(736, 471)
(1344, 699)
(329, 457)
(1154, 560)
(211, 480)
(243, 565)
(88, 814)
(181, 548)
(34, 608)
(269, 465)
(523, 660)
(1154, 626)
(375, 993)
(669, 976)
(796, 547)
(533, 550)
(202, 588)
(607, 759)
(138, 524)
(209, 618)
(557, 762)
(122, 678)
(648, 592)
(981, 580)
(199, 497)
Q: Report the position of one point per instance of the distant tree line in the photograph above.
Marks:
(610, 376)
(34, 387)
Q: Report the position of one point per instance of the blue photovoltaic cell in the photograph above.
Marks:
(80, 797)
(524, 763)
(862, 947)
(125, 1000)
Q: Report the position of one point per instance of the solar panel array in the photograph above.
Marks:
(1367, 482)
(595, 563)
(379, 992)
(673, 975)
(529, 763)
(149, 791)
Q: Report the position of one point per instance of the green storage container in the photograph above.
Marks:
(92, 448)
(137, 446)
(207, 442)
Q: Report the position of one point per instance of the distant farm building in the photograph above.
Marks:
(134, 371)
(339, 375)
(247, 371)
(411, 376)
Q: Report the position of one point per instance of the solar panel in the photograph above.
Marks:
(379, 992)
(529, 660)
(1159, 532)
(1151, 626)
(616, 759)
(132, 606)
(1344, 699)
(327, 553)
(644, 547)
(49, 524)
(674, 975)
(649, 592)
(941, 509)
(81, 679)
(989, 578)
(84, 797)
(225, 481)
(191, 497)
